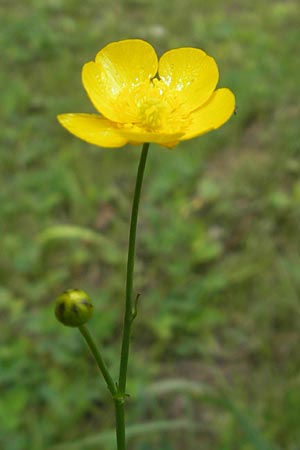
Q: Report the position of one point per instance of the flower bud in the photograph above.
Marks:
(73, 308)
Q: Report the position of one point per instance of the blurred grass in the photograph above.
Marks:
(218, 244)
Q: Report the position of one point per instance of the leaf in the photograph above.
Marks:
(70, 233)
(107, 437)
(251, 432)
(196, 390)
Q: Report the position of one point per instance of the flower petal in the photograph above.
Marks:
(191, 76)
(216, 111)
(93, 129)
(117, 71)
(136, 135)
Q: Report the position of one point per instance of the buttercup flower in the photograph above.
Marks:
(141, 99)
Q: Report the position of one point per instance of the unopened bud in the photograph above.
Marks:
(73, 308)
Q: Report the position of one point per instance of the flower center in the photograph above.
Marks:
(151, 113)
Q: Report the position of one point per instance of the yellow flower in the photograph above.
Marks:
(141, 99)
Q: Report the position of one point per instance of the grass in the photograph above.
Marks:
(218, 242)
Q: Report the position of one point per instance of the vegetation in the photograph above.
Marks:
(215, 358)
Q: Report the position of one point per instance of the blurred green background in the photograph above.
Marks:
(215, 358)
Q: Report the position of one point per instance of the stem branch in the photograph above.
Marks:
(99, 360)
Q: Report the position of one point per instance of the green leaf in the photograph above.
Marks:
(108, 437)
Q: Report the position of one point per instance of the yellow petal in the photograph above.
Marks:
(216, 111)
(93, 129)
(191, 76)
(119, 69)
(136, 135)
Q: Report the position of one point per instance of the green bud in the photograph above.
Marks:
(73, 308)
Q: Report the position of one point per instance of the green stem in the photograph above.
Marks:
(118, 400)
(119, 393)
(99, 360)
(128, 317)
(120, 423)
